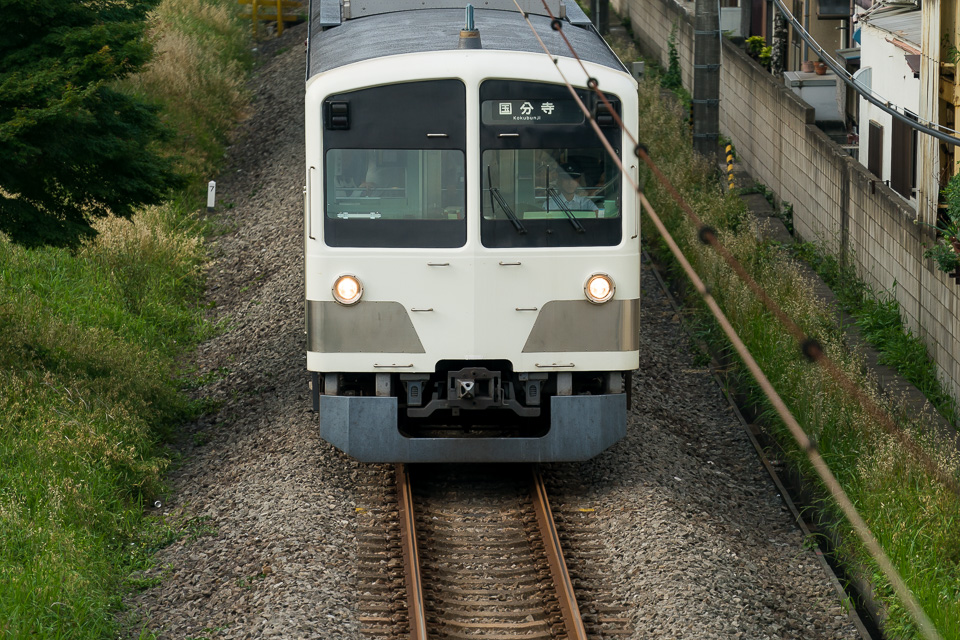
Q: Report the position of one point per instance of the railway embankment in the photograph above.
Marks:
(908, 510)
(93, 329)
(903, 396)
(881, 367)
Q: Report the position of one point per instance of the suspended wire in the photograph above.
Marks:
(811, 348)
(861, 528)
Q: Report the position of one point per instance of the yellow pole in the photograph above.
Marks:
(253, 17)
(279, 17)
(730, 166)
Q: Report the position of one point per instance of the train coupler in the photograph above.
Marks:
(470, 389)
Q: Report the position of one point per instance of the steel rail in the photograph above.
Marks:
(558, 568)
(416, 611)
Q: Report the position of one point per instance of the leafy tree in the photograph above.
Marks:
(73, 147)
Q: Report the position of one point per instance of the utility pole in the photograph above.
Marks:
(706, 79)
(601, 15)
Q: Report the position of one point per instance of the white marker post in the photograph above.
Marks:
(211, 196)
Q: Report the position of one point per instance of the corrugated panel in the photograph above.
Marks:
(907, 26)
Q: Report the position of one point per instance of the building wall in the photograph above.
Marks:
(892, 79)
(928, 157)
(652, 22)
(836, 201)
(826, 32)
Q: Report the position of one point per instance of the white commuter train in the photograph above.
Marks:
(472, 253)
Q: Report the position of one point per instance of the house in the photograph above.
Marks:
(890, 53)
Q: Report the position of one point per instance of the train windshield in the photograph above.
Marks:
(550, 198)
(395, 198)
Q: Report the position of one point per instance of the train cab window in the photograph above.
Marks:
(395, 197)
(550, 198)
(394, 166)
(546, 178)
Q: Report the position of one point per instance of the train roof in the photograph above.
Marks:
(343, 32)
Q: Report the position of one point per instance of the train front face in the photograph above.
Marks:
(472, 260)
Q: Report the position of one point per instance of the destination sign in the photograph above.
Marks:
(531, 112)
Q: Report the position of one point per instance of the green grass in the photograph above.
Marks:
(878, 317)
(913, 516)
(89, 347)
(83, 409)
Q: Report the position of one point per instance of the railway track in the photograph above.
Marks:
(478, 555)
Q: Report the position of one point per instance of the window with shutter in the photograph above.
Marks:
(901, 158)
(875, 153)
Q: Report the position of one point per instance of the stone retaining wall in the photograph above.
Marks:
(836, 201)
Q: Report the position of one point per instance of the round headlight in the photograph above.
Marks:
(599, 288)
(347, 289)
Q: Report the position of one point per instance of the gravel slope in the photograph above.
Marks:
(698, 543)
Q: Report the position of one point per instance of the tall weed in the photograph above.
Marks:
(198, 75)
(877, 314)
(154, 268)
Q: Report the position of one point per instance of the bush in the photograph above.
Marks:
(946, 252)
(758, 50)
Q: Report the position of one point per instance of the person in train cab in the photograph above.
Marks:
(359, 174)
(569, 179)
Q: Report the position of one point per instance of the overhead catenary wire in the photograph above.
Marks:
(811, 348)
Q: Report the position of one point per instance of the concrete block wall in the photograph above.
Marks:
(836, 201)
(652, 22)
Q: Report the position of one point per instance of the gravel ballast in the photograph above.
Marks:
(697, 541)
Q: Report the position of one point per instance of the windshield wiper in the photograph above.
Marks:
(496, 196)
(553, 194)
